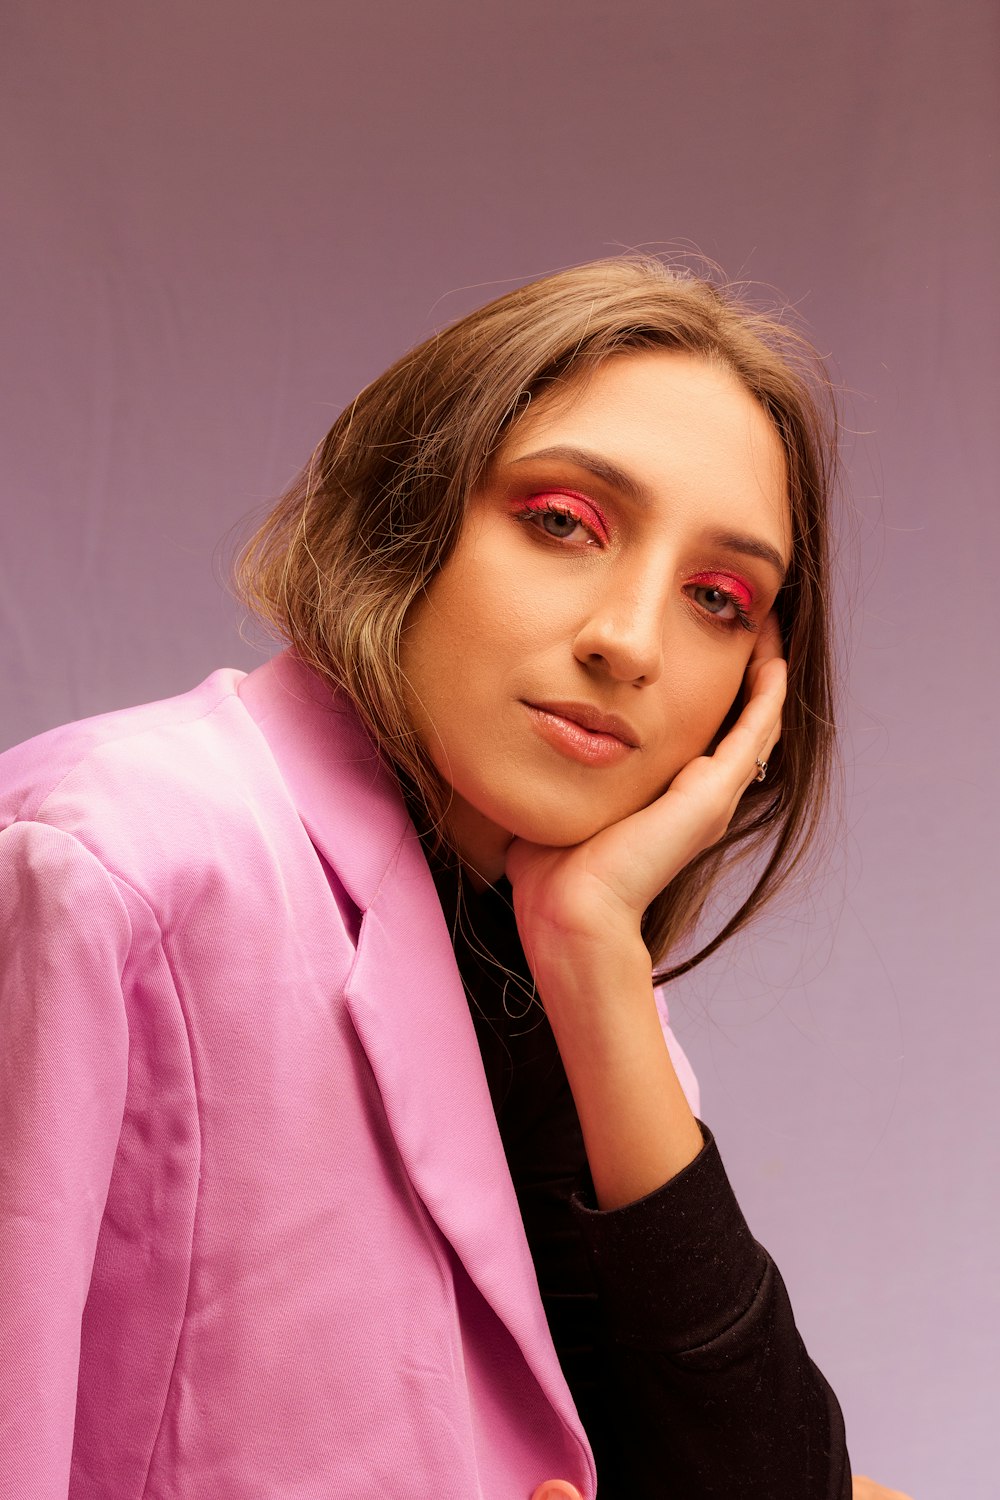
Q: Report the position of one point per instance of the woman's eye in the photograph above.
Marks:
(717, 603)
(561, 524)
(728, 607)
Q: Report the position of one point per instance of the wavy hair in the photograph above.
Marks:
(360, 534)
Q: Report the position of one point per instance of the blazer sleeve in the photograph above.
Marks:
(64, 940)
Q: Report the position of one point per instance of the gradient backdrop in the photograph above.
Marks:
(226, 216)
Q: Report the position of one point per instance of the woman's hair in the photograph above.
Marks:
(364, 529)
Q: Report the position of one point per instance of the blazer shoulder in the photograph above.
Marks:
(186, 782)
(31, 772)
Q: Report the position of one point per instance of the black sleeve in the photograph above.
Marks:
(672, 1324)
(706, 1387)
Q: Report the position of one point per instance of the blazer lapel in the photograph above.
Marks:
(407, 1002)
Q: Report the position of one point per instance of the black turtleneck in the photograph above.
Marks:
(672, 1325)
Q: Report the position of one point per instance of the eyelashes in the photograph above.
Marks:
(565, 516)
(560, 513)
(724, 598)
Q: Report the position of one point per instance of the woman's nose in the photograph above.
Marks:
(623, 633)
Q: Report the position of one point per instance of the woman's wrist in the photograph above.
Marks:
(637, 1126)
(596, 981)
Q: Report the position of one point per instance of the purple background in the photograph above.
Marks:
(228, 217)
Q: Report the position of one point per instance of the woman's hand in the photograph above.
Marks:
(579, 912)
(597, 891)
(867, 1489)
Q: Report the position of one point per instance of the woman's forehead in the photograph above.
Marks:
(657, 426)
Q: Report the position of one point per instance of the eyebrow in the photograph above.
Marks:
(601, 468)
(609, 473)
(750, 546)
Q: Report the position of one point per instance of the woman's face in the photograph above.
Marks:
(590, 631)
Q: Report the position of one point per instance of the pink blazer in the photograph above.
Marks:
(257, 1233)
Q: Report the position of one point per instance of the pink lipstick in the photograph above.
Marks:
(584, 733)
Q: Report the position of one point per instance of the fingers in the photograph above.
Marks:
(698, 806)
(704, 795)
(751, 741)
(863, 1488)
(761, 680)
(767, 647)
(702, 798)
(768, 642)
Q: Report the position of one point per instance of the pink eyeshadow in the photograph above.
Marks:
(729, 583)
(575, 503)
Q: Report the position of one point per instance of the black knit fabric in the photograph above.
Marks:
(671, 1322)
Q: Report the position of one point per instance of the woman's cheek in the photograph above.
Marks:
(733, 697)
(715, 695)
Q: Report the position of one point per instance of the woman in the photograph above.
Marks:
(345, 1152)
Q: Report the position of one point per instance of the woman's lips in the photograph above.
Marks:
(583, 732)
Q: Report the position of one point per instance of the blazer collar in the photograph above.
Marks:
(350, 806)
(407, 1002)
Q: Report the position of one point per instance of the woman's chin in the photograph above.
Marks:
(482, 838)
(563, 827)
